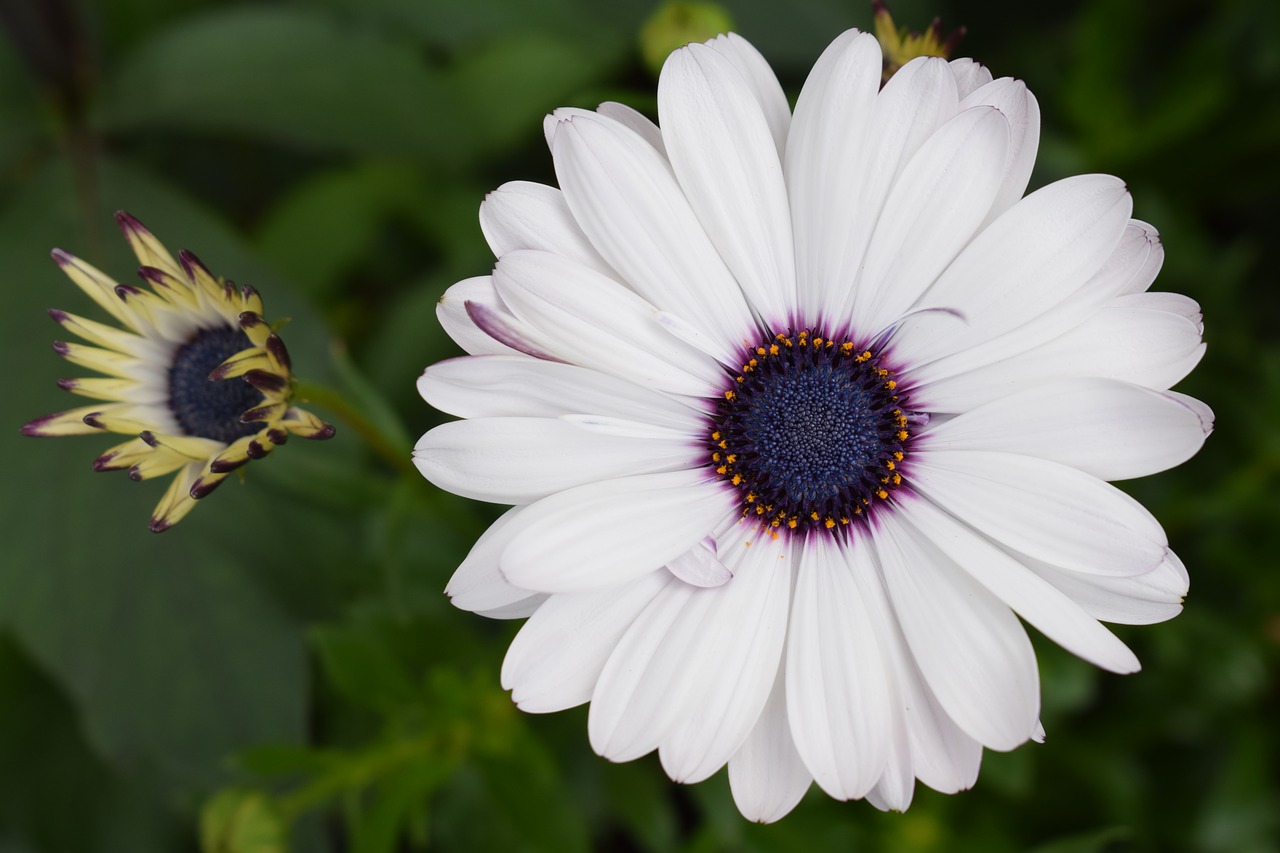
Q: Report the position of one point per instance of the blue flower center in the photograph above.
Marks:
(206, 408)
(811, 433)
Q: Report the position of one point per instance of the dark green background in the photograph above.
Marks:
(290, 637)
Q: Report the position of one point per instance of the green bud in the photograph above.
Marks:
(238, 821)
(676, 24)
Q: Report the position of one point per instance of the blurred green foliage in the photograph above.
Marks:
(282, 672)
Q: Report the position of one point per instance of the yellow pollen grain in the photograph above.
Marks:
(760, 350)
(731, 458)
(722, 470)
(902, 435)
(715, 457)
(846, 347)
(729, 395)
(882, 494)
(890, 465)
(751, 497)
(897, 479)
(898, 455)
(791, 522)
(829, 523)
(814, 516)
(891, 384)
(737, 479)
(773, 349)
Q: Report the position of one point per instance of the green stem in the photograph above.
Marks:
(379, 443)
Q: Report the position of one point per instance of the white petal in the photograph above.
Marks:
(824, 165)
(603, 534)
(1038, 602)
(970, 75)
(635, 121)
(525, 215)
(740, 642)
(1020, 108)
(932, 212)
(1129, 260)
(626, 199)
(477, 585)
(764, 85)
(837, 688)
(1138, 600)
(726, 160)
(555, 660)
(1033, 257)
(1150, 348)
(916, 101)
(766, 775)
(700, 566)
(522, 609)
(1171, 303)
(970, 647)
(1143, 279)
(514, 386)
(592, 320)
(520, 460)
(451, 311)
(1112, 430)
(636, 701)
(1043, 509)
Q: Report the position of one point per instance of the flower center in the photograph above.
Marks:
(811, 433)
(206, 408)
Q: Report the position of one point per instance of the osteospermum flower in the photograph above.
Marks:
(796, 412)
(193, 373)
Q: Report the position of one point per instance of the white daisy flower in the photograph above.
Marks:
(796, 412)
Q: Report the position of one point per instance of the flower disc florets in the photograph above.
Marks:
(811, 432)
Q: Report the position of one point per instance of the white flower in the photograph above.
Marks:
(796, 413)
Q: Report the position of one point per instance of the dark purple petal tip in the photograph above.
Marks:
(203, 488)
(149, 438)
(159, 525)
(251, 319)
(128, 223)
(277, 348)
(59, 316)
(94, 420)
(226, 466)
(61, 348)
(255, 450)
(103, 462)
(277, 436)
(61, 258)
(124, 291)
(266, 381)
(191, 263)
(155, 275)
(135, 474)
(324, 433)
(35, 428)
(68, 384)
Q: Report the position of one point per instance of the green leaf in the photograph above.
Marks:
(323, 229)
(1097, 841)
(236, 821)
(292, 76)
(361, 663)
